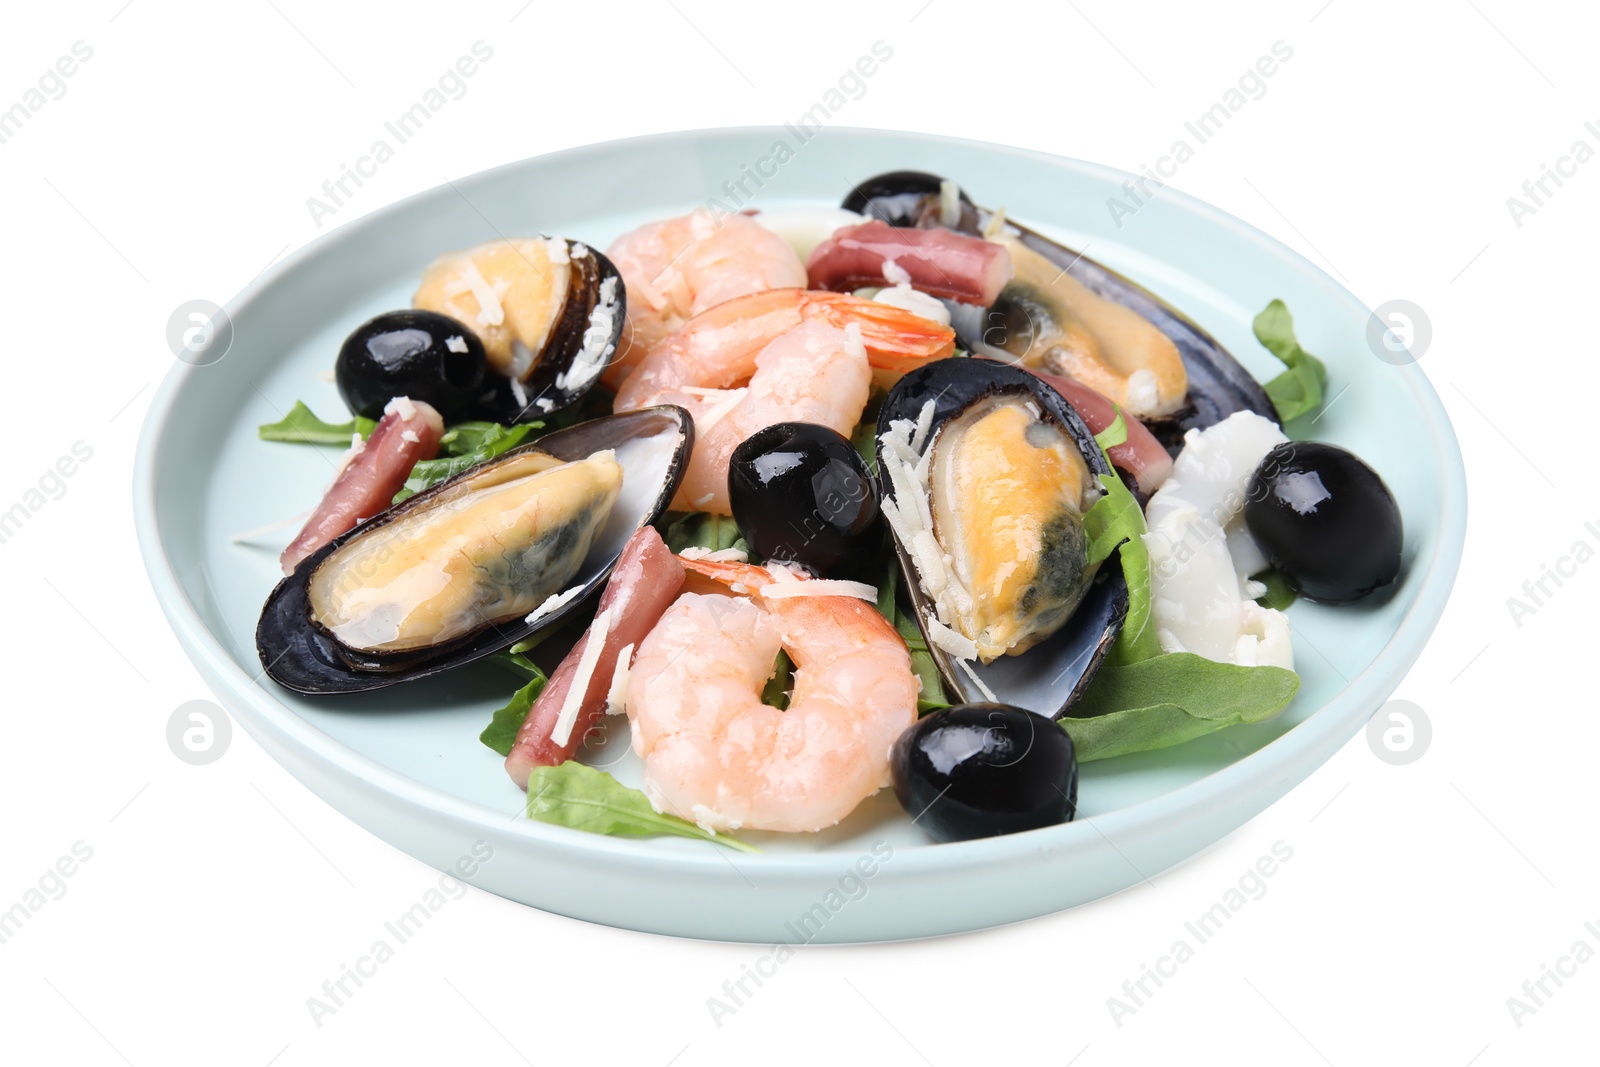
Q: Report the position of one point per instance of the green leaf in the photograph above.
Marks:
(931, 694)
(581, 798)
(501, 733)
(1280, 594)
(465, 445)
(1116, 520)
(704, 530)
(1299, 390)
(1170, 699)
(300, 426)
(1113, 435)
(776, 692)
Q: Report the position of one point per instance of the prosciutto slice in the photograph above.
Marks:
(643, 584)
(408, 432)
(1141, 455)
(942, 263)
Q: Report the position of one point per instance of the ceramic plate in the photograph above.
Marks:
(406, 763)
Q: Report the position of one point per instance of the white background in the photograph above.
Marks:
(217, 899)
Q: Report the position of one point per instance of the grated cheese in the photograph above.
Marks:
(456, 344)
(985, 690)
(554, 602)
(784, 590)
(726, 555)
(556, 249)
(410, 435)
(402, 406)
(617, 694)
(490, 313)
(561, 733)
(717, 412)
(519, 392)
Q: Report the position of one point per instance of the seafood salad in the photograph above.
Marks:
(817, 501)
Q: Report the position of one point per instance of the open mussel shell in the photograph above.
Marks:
(1218, 384)
(1050, 676)
(580, 346)
(652, 447)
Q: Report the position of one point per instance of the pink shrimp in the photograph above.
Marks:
(717, 349)
(677, 268)
(715, 754)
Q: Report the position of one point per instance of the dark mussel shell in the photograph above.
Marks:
(653, 446)
(548, 387)
(1218, 384)
(1048, 678)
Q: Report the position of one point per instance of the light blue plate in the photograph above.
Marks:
(406, 763)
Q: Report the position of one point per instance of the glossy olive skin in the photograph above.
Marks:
(900, 197)
(408, 353)
(801, 492)
(980, 770)
(1326, 520)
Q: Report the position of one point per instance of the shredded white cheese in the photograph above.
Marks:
(325, 375)
(554, 602)
(957, 644)
(988, 693)
(519, 392)
(617, 695)
(490, 313)
(410, 435)
(820, 587)
(726, 555)
(597, 344)
(579, 250)
(561, 733)
(457, 344)
(894, 273)
(731, 398)
(402, 406)
(703, 500)
(949, 203)
(556, 249)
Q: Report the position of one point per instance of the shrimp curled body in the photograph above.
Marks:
(716, 755)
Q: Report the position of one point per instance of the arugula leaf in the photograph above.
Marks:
(301, 426)
(776, 692)
(1170, 699)
(931, 693)
(1299, 390)
(1279, 594)
(581, 798)
(704, 530)
(1117, 520)
(464, 445)
(501, 733)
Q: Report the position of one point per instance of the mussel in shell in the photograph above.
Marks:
(986, 474)
(474, 564)
(1067, 314)
(549, 312)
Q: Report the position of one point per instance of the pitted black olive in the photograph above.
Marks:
(979, 770)
(419, 354)
(905, 198)
(801, 492)
(1326, 520)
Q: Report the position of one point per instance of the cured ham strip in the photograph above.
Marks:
(643, 584)
(1141, 455)
(408, 433)
(942, 263)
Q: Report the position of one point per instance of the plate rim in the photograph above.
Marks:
(1333, 723)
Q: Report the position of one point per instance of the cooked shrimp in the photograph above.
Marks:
(813, 373)
(717, 349)
(715, 754)
(677, 268)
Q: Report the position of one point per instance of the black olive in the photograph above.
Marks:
(419, 354)
(1326, 520)
(801, 492)
(903, 198)
(978, 770)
